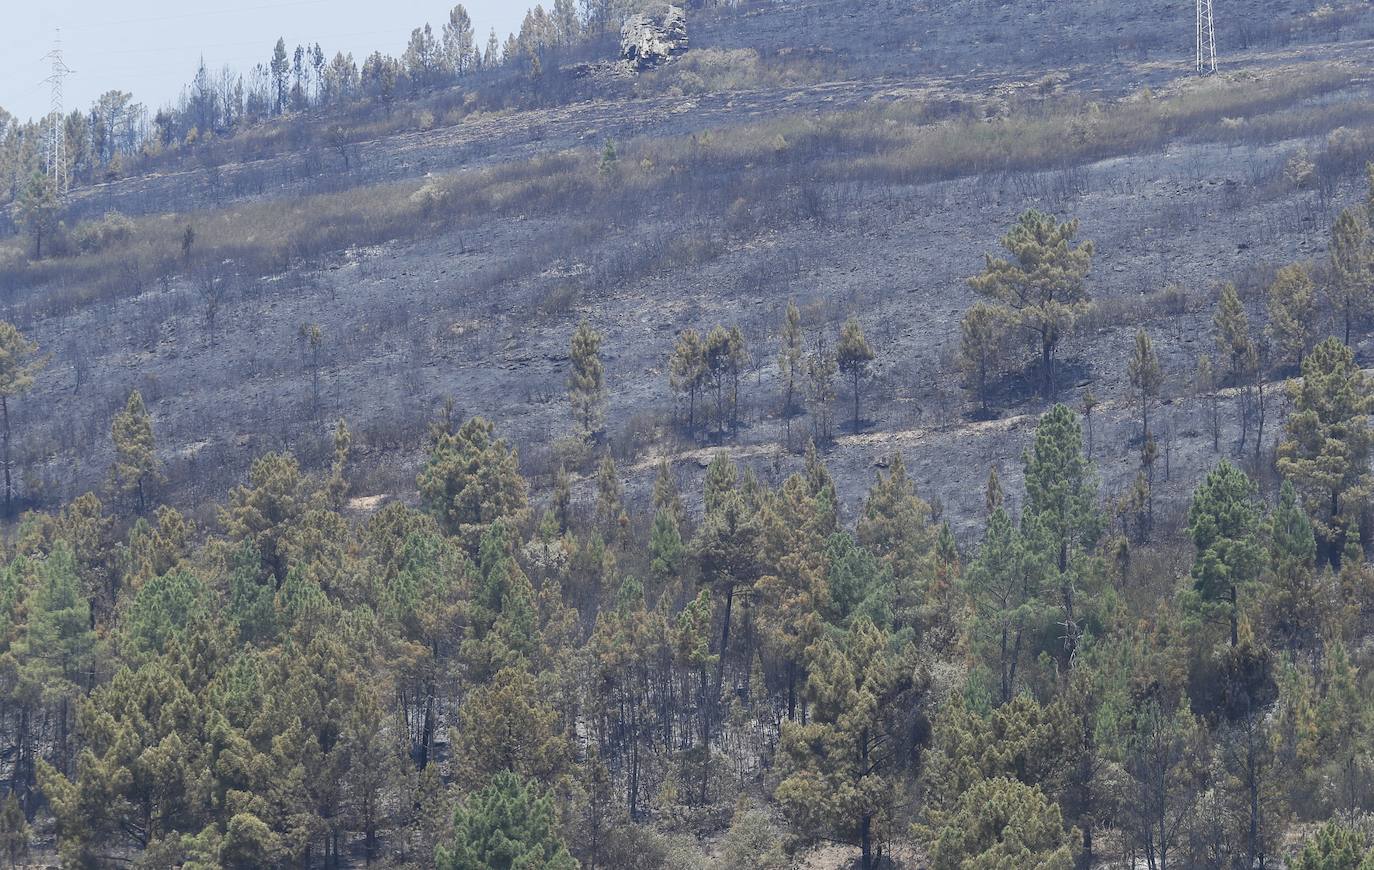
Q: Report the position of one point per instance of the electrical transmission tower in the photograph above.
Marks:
(57, 132)
(1206, 39)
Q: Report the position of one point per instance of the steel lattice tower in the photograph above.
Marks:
(57, 133)
(1206, 39)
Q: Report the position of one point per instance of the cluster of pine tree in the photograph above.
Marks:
(704, 374)
(482, 681)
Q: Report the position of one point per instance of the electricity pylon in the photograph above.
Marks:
(57, 133)
(1206, 39)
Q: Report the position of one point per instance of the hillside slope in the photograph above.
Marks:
(865, 169)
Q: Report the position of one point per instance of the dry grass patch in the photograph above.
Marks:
(739, 180)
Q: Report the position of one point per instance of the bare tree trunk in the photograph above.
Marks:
(856, 401)
(9, 489)
(787, 411)
(1256, 852)
(1234, 637)
(709, 705)
(791, 690)
(1216, 422)
(724, 642)
(634, 765)
(1047, 367)
(866, 823)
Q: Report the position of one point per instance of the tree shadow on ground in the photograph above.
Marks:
(1020, 390)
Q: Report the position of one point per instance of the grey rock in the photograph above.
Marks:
(653, 36)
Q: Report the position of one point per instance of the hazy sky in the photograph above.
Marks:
(151, 47)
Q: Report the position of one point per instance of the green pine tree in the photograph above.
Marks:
(895, 525)
(982, 335)
(1059, 520)
(1232, 331)
(610, 500)
(791, 364)
(821, 368)
(842, 770)
(1292, 307)
(1004, 823)
(136, 465)
(853, 355)
(587, 381)
(687, 372)
(19, 365)
(1293, 595)
(1335, 846)
(1327, 440)
(1145, 376)
(472, 480)
(1040, 287)
(1224, 523)
(666, 549)
(1003, 585)
(508, 825)
(1349, 291)
(36, 209)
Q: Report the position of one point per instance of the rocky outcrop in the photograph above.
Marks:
(653, 36)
